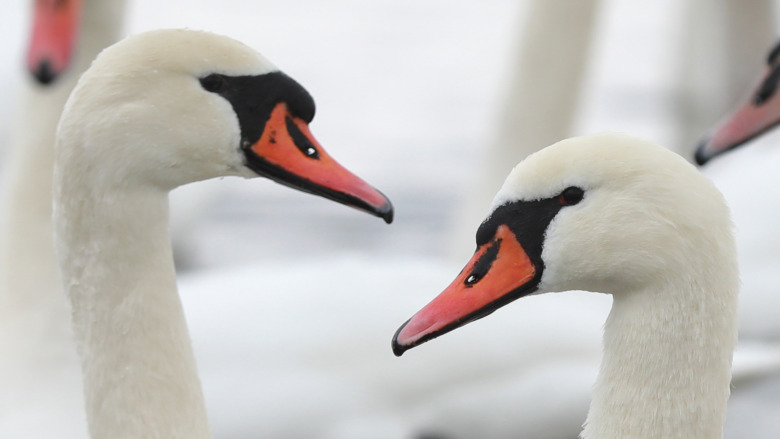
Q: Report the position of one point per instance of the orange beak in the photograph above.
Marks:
(54, 32)
(499, 272)
(288, 154)
(753, 117)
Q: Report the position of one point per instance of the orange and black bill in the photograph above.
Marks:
(499, 272)
(757, 114)
(289, 154)
(53, 39)
(273, 114)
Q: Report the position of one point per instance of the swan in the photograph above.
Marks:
(39, 369)
(153, 112)
(746, 176)
(617, 215)
(561, 408)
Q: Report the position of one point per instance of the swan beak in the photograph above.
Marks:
(753, 117)
(288, 154)
(54, 33)
(499, 272)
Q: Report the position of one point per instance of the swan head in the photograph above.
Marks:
(756, 115)
(606, 213)
(169, 107)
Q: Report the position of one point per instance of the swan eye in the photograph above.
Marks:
(214, 83)
(571, 196)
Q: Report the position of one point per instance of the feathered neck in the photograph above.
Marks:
(666, 367)
(139, 371)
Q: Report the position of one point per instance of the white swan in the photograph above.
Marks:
(745, 178)
(39, 371)
(617, 215)
(748, 178)
(153, 112)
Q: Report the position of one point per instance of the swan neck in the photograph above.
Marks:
(137, 361)
(102, 25)
(666, 368)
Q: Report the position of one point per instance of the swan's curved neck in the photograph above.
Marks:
(667, 363)
(139, 371)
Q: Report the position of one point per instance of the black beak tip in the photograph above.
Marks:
(398, 348)
(700, 156)
(44, 73)
(386, 212)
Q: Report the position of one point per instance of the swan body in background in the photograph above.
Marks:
(617, 215)
(153, 112)
(39, 370)
(540, 97)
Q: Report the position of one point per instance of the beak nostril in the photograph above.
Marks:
(483, 264)
(472, 279)
(300, 140)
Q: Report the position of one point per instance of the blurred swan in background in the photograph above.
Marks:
(39, 370)
(747, 177)
(38, 367)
